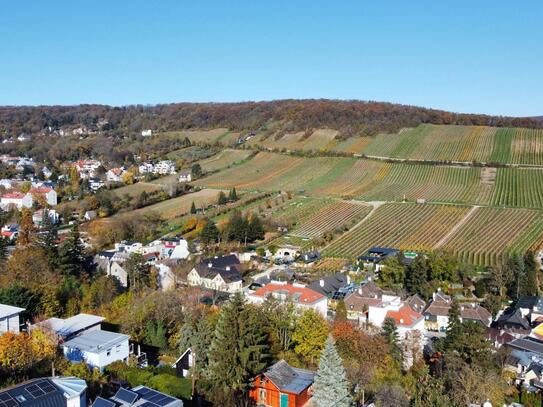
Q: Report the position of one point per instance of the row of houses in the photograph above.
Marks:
(44, 195)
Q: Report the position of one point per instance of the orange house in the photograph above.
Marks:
(282, 386)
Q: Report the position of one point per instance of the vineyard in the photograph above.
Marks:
(404, 226)
(370, 180)
(336, 215)
(224, 159)
(492, 233)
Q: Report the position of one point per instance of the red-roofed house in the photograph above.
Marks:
(17, 199)
(49, 194)
(299, 294)
(115, 174)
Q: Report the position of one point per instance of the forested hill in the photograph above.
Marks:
(348, 117)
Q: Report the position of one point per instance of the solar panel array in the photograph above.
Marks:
(101, 402)
(127, 396)
(7, 401)
(155, 397)
(40, 388)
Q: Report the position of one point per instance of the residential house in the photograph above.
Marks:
(286, 253)
(308, 259)
(38, 216)
(146, 168)
(138, 396)
(437, 313)
(375, 256)
(10, 231)
(44, 195)
(15, 199)
(176, 248)
(282, 385)
(97, 348)
(185, 176)
(147, 133)
(87, 168)
(415, 303)
(10, 318)
(46, 392)
(96, 183)
(68, 328)
(358, 302)
(301, 296)
(115, 174)
(219, 273)
(164, 167)
(90, 215)
(6, 183)
(334, 287)
(112, 263)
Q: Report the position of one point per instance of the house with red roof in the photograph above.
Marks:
(16, 199)
(45, 194)
(300, 295)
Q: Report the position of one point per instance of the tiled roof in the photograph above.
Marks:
(416, 303)
(438, 307)
(40, 190)
(405, 316)
(221, 261)
(228, 275)
(357, 302)
(13, 195)
(528, 344)
(330, 284)
(475, 312)
(299, 294)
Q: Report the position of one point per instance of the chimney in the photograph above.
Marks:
(209, 265)
(360, 291)
(227, 268)
(321, 282)
(401, 320)
(348, 279)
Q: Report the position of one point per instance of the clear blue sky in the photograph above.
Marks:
(466, 56)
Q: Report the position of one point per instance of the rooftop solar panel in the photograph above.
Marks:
(46, 387)
(126, 395)
(101, 402)
(7, 401)
(148, 404)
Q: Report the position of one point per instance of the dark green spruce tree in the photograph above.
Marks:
(48, 239)
(72, 254)
(390, 333)
(233, 195)
(221, 200)
(238, 352)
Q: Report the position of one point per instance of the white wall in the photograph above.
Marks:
(10, 324)
(117, 352)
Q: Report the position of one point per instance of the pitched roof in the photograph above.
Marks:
(40, 190)
(439, 307)
(416, 303)
(13, 195)
(357, 302)
(72, 325)
(221, 261)
(527, 344)
(513, 316)
(405, 316)
(229, 275)
(527, 302)
(289, 379)
(295, 292)
(370, 290)
(43, 392)
(475, 312)
(330, 284)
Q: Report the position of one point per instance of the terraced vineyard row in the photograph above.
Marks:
(374, 180)
(493, 233)
(336, 215)
(404, 226)
(486, 237)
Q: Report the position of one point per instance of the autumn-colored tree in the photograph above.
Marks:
(128, 178)
(309, 335)
(16, 354)
(27, 230)
(74, 180)
(30, 268)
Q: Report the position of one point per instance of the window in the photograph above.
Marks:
(118, 348)
(108, 353)
(262, 396)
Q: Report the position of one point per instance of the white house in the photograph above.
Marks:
(10, 320)
(48, 195)
(185, 176)
(115, 174)
(145, 168)
(87, 168)
(300, 295)
(6, 183)
(97, 348)
(147, 133)
(164, 167)
(38, 216)
(217, 273)
(16, 199)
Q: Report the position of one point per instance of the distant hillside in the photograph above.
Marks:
(347, 117)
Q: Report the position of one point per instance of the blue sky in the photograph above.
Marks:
(466, 56)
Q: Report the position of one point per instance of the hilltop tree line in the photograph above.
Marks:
(349, 117)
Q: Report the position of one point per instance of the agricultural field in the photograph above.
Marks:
(520, 187)
(179, 206)
(199, 136)
(493, 233)
(336, 215)
(136, 189)
(224, 159)
(402, 225)
(370, 180)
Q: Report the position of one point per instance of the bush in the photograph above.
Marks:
(172, 385)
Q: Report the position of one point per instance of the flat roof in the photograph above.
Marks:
(9, 310)
(69, 326)
(95, 341)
